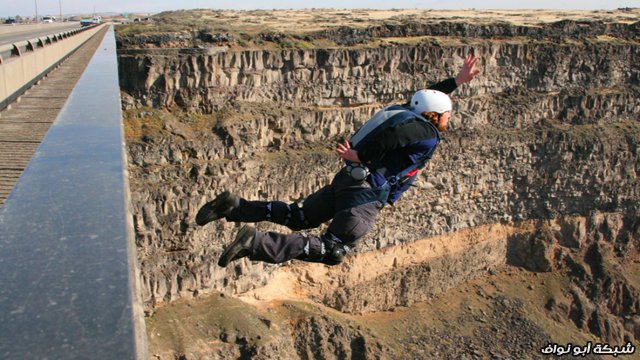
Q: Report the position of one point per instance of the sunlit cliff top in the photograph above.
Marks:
(330, 27)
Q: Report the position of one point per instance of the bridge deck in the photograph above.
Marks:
(23, 126)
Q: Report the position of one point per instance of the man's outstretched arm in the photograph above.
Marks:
(466, 74)
(468, 71)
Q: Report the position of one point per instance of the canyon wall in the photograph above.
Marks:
(549, 131)
(208, 79)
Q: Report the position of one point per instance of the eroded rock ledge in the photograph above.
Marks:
(208, 80)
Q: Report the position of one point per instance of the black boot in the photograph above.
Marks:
(240, 247)
(221, 206)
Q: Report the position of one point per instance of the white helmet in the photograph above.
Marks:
(430, 100)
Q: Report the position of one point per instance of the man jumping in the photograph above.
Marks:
(381, 162)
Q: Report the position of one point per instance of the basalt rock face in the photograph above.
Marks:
(597, 250)
(336, 341)
(555, 31)
(346, 36)
(210, 79)
(549, 132)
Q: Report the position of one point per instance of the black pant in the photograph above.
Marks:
(348, 225)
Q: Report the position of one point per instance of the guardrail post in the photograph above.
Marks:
(16, 51)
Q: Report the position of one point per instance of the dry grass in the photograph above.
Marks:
(142, 122)
(295, 24)
(148, 122)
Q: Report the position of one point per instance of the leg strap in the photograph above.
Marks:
(289, 215)
(326, 249)
(278, 212)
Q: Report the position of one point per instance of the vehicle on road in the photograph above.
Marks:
(94, 21)
(48, 19)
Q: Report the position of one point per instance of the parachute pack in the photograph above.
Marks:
(386, 118)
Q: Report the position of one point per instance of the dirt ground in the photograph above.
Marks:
(290, 20)
(500, 316)
(311, 20)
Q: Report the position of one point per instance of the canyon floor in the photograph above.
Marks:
(504, 315)
(508, 313)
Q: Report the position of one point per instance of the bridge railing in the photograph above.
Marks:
(24, 47)
(68, 269)
(24, 63)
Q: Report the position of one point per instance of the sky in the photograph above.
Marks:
(52, 7)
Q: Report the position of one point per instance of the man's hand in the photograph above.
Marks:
(346, 152)
(468, 71)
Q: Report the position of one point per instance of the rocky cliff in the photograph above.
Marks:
(212, 78)
(544, 144)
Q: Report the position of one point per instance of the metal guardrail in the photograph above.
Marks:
(31, 60)
(22, 47)
(68, 269)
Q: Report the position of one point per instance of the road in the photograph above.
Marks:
(10, 34)
(23, 126)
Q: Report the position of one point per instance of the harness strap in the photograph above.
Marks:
(412, 173)
(363, 196)
(408, 172)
